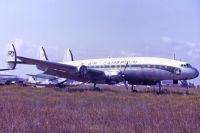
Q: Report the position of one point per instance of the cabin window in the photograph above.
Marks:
(122, 65)
(112, 66)
(118, 66)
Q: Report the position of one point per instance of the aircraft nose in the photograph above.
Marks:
(190, 73)
(195, 72)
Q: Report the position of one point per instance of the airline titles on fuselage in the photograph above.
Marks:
(114, 62)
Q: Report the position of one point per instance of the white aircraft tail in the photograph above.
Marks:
(68, 56)
(42, 54)
(12, 57)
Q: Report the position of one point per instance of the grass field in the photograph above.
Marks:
(28, 110)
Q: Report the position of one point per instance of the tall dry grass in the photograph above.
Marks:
(30, 110)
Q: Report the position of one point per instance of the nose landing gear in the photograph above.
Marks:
(186, 86)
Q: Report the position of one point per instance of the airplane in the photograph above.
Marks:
(44, 80)
(10, 79)
(129, 70)
(51, 81)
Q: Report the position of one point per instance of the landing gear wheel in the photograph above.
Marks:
(187, 91)
(160, 91)
(133, 89)
(96, 88)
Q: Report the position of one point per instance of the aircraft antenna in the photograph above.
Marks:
(174, 56)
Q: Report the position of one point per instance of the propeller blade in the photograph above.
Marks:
(123, 76)
(62, 82)
(125, 84)
(125, 67)
(184, 83)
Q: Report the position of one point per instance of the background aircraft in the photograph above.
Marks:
(51, 81)
(11, 79)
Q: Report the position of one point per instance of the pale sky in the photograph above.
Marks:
(101, 28)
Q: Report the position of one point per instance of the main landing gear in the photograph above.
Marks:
(160, 88)
(133, 89)
(96, 88)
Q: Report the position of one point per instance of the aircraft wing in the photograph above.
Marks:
(47, 64)
(65, 71)
(43, 76)
(4, 69)
(1, 75)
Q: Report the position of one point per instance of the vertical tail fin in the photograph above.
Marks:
(68, 56)
(42, 54)
(12, 57)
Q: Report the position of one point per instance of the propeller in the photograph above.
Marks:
(123, 76)
(184, 83)
(83, 71)
(62, 82)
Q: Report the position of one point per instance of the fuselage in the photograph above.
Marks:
(135, 70)
(141, 68)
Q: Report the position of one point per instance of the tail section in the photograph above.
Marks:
(68, 56)
(43, 55)
(12, 57)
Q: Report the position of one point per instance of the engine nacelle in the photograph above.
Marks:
(83, 71)
(177, 71)
(113, 77)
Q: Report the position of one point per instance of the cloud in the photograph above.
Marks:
(191, 44)
(194, 53)
(126, 53)
(24, 49)
(166, 39)
(18, 44)
(191, 49)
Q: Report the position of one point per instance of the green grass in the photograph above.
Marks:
(112, 110)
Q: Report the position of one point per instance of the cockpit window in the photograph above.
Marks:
(186, 65)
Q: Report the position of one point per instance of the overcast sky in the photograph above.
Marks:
(101, 28)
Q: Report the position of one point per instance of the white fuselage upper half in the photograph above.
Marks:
(129, 60)
(141, 68)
